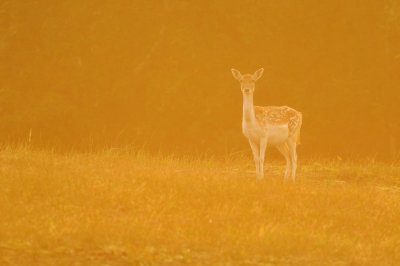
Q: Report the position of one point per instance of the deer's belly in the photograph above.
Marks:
(277, 134)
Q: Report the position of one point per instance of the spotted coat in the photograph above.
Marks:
(279, 115)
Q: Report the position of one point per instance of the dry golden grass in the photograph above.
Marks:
(129, 208)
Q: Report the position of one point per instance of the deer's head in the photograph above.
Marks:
(247, 81)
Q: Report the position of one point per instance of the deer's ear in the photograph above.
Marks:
(236, 74)
(258, 74)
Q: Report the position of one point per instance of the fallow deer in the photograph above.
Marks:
(278, 126)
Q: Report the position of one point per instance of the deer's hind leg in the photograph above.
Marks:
(284, 150)
(293, 155)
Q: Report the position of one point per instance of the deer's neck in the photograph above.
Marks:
(248, 109)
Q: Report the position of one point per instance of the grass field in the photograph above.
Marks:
(130, 208)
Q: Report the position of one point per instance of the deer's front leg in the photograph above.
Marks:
(263, 147)
(254, 148)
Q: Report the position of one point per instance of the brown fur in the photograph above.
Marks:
(280, 115)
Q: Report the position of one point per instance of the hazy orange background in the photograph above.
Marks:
(157, 73)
